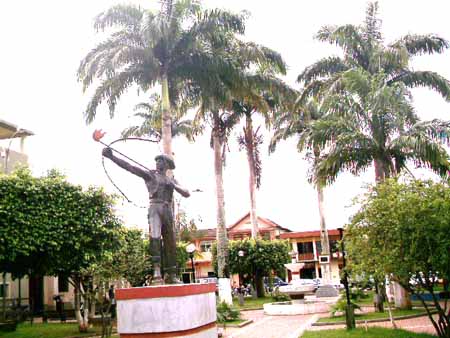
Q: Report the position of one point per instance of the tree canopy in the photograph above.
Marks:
(403, 231)
(49, 226)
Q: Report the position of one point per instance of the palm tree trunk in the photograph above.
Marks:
(379, 171)
(324, 240)
(222, 239)
(252, 175)
(166, 117)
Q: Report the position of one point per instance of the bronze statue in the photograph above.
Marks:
(160, 214)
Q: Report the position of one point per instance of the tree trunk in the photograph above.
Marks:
(166, 117)
(379, 171)
(252, 175)
(222, 239)
(324, 240)
(259, 284)
(80, 316)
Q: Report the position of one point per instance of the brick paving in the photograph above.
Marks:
(418, 325)
(264, 326)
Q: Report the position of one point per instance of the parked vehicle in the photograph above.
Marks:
(276, 282)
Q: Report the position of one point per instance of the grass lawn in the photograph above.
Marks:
(373, 332)
(374, 315)
(250, 303)
(48, 330)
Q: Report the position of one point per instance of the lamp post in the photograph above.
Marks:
(241, 254)
(190, 250)
(349, 311)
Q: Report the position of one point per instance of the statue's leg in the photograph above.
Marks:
(170, 248)
(155, 242)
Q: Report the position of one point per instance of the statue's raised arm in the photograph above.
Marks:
(145, 174)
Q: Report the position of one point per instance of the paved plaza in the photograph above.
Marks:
(293, 326)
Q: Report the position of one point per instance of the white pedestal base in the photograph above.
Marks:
(187, 310)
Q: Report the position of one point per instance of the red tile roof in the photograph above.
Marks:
(306, 234)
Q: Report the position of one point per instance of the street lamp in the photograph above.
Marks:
(190, 250)
(241, 254)
(349, 312)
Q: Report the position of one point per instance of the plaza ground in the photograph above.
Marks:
(264, 326)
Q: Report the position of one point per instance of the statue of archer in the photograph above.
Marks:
(160, 214)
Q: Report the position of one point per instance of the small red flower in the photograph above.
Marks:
(98, 135)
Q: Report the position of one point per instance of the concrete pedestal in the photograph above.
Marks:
(187, 310)
(326, 291)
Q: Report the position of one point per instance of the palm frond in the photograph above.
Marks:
(343, 157)
(423, 150)
(322, 68)
(422, 44)
(427, 79)
(110, 90)
(125, 16)
(349, 38)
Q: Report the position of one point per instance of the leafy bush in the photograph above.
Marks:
(279, 296)
(358, 294)
(227, 313)
(340, 307)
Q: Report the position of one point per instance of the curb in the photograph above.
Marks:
(244, 323)
(377, 320)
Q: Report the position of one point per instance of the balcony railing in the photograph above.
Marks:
(309, 256)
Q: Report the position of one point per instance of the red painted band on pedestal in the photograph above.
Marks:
(173, 334)
(164, 291)
(295, 272)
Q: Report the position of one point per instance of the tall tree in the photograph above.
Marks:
(363, 47)
(170, 47)
(151, 124)
(51, 227)
(218, 91)
(402, 230)
(300, 124)
(264, 98)
(372, 120)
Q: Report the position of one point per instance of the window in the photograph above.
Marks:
(63, 283)
(305, 247)
(4, 290)
(206, 246)
(266, 236)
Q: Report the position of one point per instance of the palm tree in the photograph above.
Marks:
(371, 121)
(374, 122)
(151, 125)
(265, 99)
(381, 128)
(300, 124)
(218, 92)
(363, 48)
(172, 48)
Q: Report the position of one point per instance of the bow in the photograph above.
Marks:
(97, 136)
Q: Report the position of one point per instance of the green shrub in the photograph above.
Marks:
(227, 313)
(341, 305)
(279, 296)
(358, 294)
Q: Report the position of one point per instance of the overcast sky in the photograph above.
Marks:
(44, 41)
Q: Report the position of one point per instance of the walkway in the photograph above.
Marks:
(264, 326)
(270, 326)
(418, 325)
